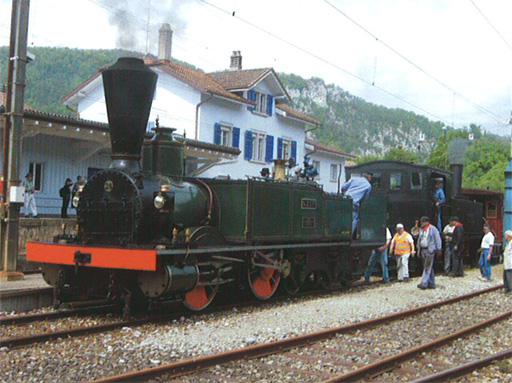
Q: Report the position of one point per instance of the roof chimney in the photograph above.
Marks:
(165, 42)
(236, 61)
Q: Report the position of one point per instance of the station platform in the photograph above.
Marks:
(28, 294)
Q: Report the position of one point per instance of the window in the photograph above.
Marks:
(284, 148)
(37, 170)
(258, 146)
(377, 180)
(264, 102)
(395, 181)
(225, 136)
(416, 183)
(334, 172)
(492, 210)
(261, 102)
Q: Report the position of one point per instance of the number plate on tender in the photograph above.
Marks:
(308, 204)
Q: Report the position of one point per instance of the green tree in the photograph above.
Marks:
(485, 163)
(399, 154)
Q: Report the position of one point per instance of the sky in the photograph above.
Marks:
(449, 60)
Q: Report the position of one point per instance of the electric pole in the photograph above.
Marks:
(20, 9)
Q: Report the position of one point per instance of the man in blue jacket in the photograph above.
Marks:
(429, 242)
(357, 188)
(439, 200)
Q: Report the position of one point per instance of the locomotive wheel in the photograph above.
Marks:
(263, 281)
(200, 297)
(296, 273)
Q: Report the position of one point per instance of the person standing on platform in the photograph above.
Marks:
(439, 200)
(457, 245)
(79, 182)
(429, 243)
(357, 188)
(486, 254)
(65, 193)
(30, 201)
(402, 246)
(448, 251)
(379, 254)
(507, 263)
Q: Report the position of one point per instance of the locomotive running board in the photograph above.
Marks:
(242, 248)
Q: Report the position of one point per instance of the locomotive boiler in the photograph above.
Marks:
(151, 234)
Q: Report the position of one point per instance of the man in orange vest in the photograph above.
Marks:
(402, 246)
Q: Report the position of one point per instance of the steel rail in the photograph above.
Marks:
(19, 319)
(389, 362)
(26, 340)
(464, 369)
(188, 366)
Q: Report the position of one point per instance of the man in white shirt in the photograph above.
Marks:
(507, 263)
(485, 257)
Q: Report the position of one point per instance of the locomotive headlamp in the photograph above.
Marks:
(159, 201)
(76, 200)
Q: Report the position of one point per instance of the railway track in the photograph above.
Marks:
(75, 319)
(347, 353)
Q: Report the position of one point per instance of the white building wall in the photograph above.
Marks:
(58, 157)
(326, 161)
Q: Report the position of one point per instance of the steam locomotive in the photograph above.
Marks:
(149, 234)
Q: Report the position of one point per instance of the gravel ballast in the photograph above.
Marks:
(119, 351)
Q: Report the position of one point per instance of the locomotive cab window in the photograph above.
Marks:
(416, 181)
(492, 210)
(377, 180)
(395, 181)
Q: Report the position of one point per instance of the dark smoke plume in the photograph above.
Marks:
(131, 17)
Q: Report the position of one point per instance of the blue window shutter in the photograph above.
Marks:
(248, 145)
(279, 148)
(269, 153)
(251, 96)
(270, 105)
(236, 137)
(216, 133)
(294, 149)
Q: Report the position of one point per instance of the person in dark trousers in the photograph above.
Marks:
(507, 263)
(429, 243)
(65, 193)
(457, 245)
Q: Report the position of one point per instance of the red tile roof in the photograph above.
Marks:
(329, 149)
(198, 80)
(290, 112)
(244, 79)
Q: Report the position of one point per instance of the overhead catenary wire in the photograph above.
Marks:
(403, 57)
(314, 55)
(491, 25)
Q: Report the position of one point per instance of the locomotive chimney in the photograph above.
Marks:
(456, 170)
(129, 88)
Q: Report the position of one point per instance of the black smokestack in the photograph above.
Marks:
(456, 170)
(129, 88)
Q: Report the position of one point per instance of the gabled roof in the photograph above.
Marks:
(246, 79)
(190, 76)
(197, 80)
(78, 88)
(294, 113)
(329, 149)
(220, 84)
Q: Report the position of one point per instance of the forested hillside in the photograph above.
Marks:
(355, 125)
(56, 71)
